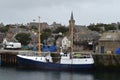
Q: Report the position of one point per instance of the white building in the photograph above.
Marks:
(65, 43)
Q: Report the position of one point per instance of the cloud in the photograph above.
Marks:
(85, 11)
(25, 4)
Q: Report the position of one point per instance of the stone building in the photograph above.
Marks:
(55, 25)
(2, 36)
(43, 25)
(109, 42)
(1, 24)
(13, 30)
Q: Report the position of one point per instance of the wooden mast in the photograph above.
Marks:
(39, 38)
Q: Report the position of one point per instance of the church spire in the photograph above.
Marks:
(72, 16)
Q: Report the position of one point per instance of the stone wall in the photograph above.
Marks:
(109, 45)
(107, 61)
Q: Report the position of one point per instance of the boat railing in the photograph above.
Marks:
(74, 55)
(83, 52)
(34, 53)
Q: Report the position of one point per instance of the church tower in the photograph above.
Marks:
(71, 30)
(71, 23)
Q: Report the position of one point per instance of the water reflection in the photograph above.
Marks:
(70, 76)
(15, 74)
(102, 75)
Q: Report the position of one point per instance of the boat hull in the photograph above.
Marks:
(31, 64)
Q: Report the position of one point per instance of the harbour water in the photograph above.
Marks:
(17, 74)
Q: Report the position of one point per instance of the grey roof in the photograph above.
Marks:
(83, 33)
(110, 36)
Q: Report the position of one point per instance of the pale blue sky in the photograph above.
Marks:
(85, 11)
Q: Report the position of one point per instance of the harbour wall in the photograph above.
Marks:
(107, 61)
(8, 58)
(102, 61)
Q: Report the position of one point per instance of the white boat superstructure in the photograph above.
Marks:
(77, 59)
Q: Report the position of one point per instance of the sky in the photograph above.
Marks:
(85, 11)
